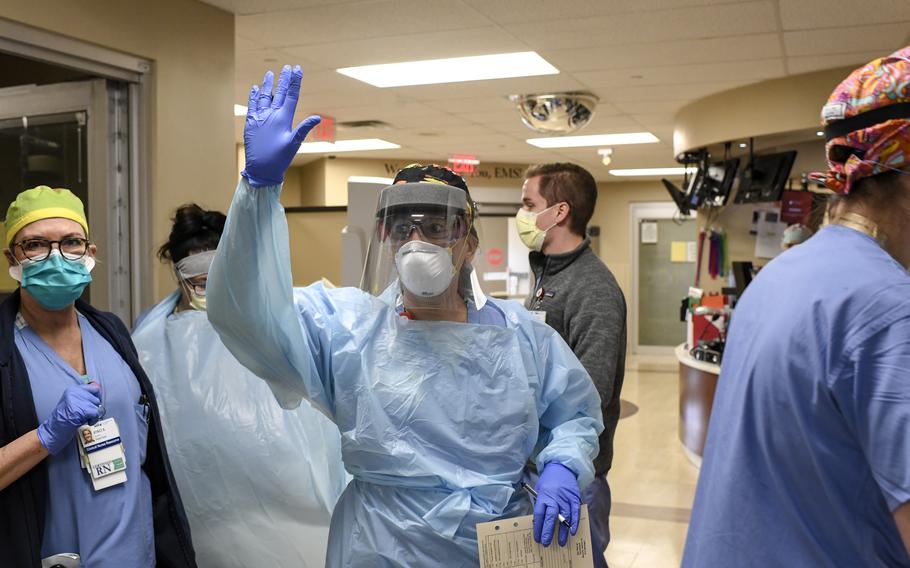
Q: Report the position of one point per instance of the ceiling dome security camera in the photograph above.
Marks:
(557, 113)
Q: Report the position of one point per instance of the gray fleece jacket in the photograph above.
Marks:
(586, 306)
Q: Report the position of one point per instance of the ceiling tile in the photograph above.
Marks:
(806, 64)
(649, 27)
(461, 105)
(410, 47)
(631, 56)
(523, 11)
(669, 92)
(351, 22)
(653, 117)
(603, 82)
(885, 38)
(497, 88)
(633, 108)
(815, 14)
(241, 7)
(646, 59)
(599, 125)
(510, 115)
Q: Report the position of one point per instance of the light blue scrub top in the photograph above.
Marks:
(112, 527)
(808, 449)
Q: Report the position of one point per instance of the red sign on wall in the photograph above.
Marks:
(464, 164)
(795, 206)
(324, 131)
(495, 256)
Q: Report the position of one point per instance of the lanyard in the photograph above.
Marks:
(66, 368)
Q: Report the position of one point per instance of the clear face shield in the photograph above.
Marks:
(421, 249)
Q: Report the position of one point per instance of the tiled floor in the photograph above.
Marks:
(652, 482)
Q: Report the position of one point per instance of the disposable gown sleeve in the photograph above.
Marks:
(251, 303)
(568, 407)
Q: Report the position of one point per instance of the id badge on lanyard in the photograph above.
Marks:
(101, 453)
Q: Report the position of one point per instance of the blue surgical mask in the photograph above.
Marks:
(54, 282)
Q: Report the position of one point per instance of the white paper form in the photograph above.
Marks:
(509, 543)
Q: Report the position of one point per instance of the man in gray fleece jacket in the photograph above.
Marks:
(577, 295)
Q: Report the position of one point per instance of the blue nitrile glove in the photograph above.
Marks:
(269, 142)
(557, 494)
(78, 405)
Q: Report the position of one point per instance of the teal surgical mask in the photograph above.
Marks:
(54, 282)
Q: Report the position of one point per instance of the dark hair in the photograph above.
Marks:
(418, 172)
(194, 230)
(877, 193)
(570, 183)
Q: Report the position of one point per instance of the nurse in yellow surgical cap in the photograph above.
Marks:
(64, 367)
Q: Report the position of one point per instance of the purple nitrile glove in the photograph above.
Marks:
(557, 494)
(269, 141)
(78, 405)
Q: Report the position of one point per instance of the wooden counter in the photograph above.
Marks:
(697, 383)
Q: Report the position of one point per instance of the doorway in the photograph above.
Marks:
(73, 115)
(663, 268)
(63, 135)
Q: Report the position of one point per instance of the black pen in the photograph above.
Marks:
(533, 493)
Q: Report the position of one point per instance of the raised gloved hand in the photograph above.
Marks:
(78, 405)
(269, 142)
(557, 494)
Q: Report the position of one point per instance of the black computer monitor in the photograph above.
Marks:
(742, 276)
(765, 177)
(680, 197)
(717, 180)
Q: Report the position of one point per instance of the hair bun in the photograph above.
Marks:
(194, 229)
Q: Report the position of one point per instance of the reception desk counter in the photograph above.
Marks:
(697, 383)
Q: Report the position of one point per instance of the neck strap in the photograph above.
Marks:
(862, 224)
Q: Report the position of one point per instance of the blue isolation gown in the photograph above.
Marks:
(258, 482)
(808, 452)
(437, 419)
(113, 527)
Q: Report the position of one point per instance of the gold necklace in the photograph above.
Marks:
(862, 224)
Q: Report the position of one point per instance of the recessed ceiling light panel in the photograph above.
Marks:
(362, 145)
(452, 70)
(636, 172)
(594, 140)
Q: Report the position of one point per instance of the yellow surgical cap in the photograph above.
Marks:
(40, 203)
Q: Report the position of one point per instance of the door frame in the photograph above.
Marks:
(658, 210)
(119, 160)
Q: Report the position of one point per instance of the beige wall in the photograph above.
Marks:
(769, 107)
(736, 220)
(612, 216)
(325, 182)
(191, 45)
(316, 241)
(316, 246)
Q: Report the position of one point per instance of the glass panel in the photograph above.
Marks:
(662, 284)
(502, 261)
(41, 150)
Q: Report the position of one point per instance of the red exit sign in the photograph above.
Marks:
(464, 164)
(324, 131)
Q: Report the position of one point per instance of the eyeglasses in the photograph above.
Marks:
(71, 248)
(197, 287)
(431, 229)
